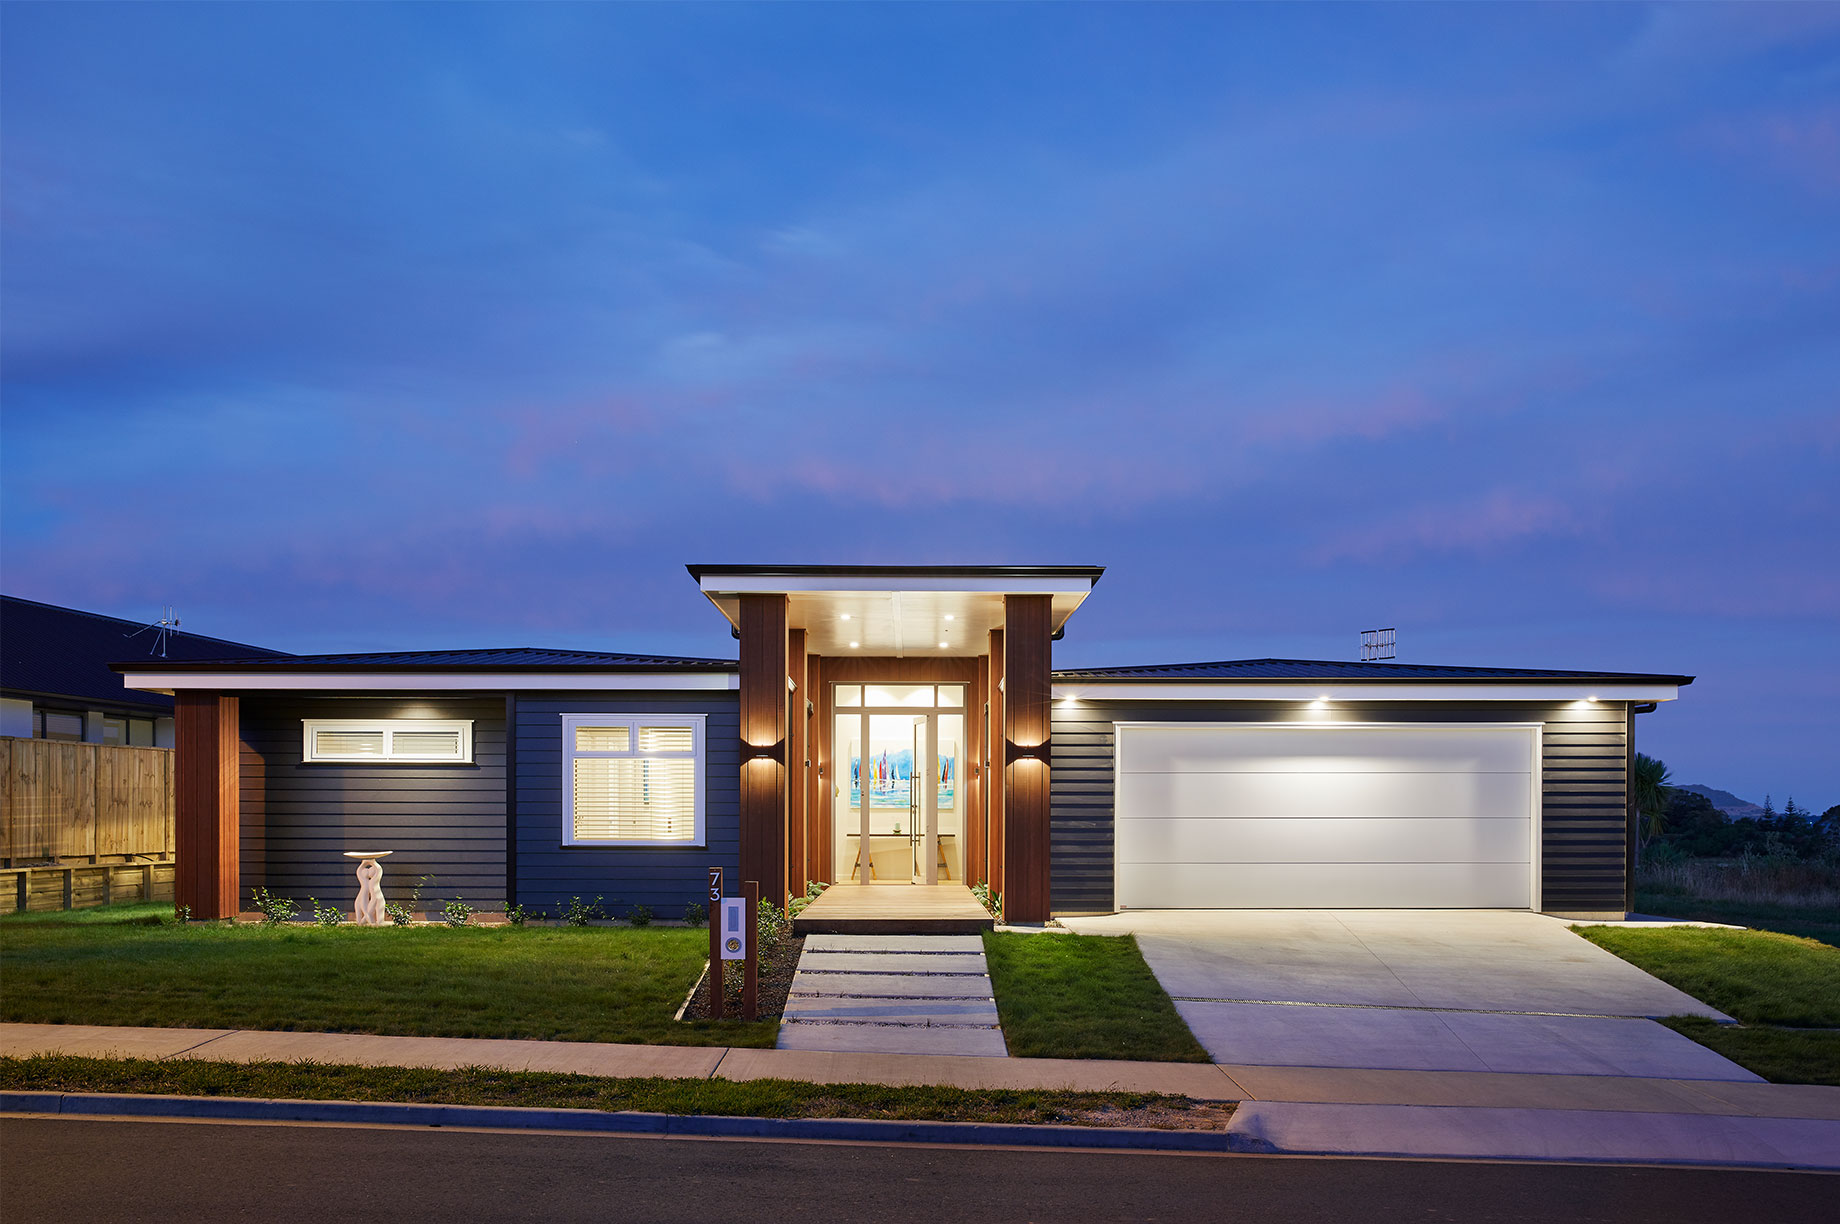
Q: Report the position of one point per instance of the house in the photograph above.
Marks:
(55, 681)
(534, 776)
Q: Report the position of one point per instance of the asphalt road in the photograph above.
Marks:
(56, 1169)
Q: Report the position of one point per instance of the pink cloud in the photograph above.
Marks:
(1498, 520)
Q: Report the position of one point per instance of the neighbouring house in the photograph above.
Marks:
(905, 724)
(86, 771)
(55, 681)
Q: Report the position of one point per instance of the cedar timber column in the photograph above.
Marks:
(1028, 696)
(798, 753)
(206, 814)
(764, 757)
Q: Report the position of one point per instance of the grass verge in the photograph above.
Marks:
(550, 983)
(1784, 989)
(307, 1081)
(1780, 1055)
(1083, 996)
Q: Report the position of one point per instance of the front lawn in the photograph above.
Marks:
(1758, 977)
(554, 983)
(765, 1098)
(1784, 989)
(1083, 996)
(1780, 1055)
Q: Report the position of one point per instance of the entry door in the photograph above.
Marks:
(1326, 816)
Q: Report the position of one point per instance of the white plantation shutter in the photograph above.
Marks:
(401, 740)
(633, 780)
(632, 799)
(348, 744)
(664, 739)
(444, 745)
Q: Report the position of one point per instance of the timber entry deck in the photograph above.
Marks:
(894, 909)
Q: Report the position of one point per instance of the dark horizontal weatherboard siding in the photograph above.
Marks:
(665, 878)
(442, 821)
(1583, 814)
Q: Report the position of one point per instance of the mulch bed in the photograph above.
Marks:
(777, 965)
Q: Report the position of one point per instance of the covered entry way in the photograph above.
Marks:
(894, 724)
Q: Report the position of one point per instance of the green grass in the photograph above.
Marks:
(1084, 996)
(1780, 1055)
(1784, 990)
(149, 913)
(1759, 977)
(1810, 922)
(308, 1081)
(557, 983)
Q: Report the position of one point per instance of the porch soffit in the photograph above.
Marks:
(903, 611)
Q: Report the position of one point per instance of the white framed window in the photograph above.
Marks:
(398, 741)
(632, 779)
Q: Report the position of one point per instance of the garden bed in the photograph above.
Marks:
(778, 964)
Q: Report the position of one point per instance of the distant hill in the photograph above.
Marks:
(1725, 801)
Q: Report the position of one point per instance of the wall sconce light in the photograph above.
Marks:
(1026, 752)
(767, 752)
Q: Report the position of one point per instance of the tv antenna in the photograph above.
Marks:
(1377, 644)
(164, 628)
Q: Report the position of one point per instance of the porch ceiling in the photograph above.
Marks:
(902, 611)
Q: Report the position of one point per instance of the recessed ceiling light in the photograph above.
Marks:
(846, 616)
(942, 645)
(854, 645)
(948, 616)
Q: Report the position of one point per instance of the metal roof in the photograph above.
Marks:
(1093, 572)
(51, 651)
(514, 658)
(1321, 669)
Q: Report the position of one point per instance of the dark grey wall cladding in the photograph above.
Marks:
(664, 878)
(1583, 813)
(445, 821)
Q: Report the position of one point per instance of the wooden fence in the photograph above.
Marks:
(63, 804)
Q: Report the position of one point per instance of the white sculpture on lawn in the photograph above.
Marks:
(368, 910)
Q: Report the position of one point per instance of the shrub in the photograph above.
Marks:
(814, 889)
(275, 910)
(578, 913)
(696, 914)
(769, 924)
(403, 915)
(990, 901)
(641, 916)
(325, 915)
(457, 913)
(515, 914)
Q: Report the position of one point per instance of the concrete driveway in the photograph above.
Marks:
(1432, 990)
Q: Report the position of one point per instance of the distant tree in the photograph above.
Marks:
(1652, 794)
(1789, 808)
(1769, 809)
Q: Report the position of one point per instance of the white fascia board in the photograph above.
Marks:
(378, 682)
(1311, 691)
(715, 585)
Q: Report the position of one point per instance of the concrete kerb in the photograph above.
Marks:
(590, 1121)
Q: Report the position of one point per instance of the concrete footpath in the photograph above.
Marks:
(1293, 1110)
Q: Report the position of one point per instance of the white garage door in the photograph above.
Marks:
(1260, 816)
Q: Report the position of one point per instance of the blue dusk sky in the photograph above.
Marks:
(352, 327)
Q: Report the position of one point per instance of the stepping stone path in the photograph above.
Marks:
(893, 994)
